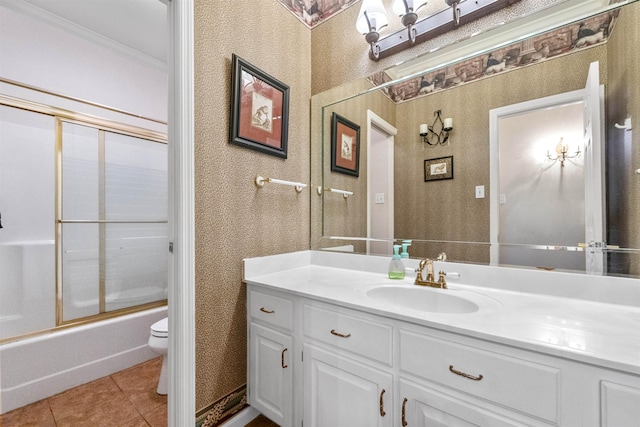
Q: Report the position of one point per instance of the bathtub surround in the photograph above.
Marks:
(39, 367)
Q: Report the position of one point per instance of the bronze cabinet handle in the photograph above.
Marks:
(264, 310)
(338, 334)
(282, 359)
(382, 413)
(404, 406)
(463, 374)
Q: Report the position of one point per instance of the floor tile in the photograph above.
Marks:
(36, 414)
(138, 421)
(97, 403)
(139, 384)
(157, 417)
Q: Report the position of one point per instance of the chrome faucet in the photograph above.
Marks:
(430, 279)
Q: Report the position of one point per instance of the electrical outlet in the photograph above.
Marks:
(503, 199)
(379, 198)
(479, 191)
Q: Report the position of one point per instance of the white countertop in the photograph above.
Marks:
(602, 334)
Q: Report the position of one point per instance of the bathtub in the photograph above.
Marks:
(35, 368)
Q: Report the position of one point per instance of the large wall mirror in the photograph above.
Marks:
(541, 169)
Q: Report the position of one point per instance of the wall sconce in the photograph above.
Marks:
(406, 10)
(561, 153)
(372, 18)
(438, 132)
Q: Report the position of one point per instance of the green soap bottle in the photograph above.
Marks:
(405, 245)
(396, 267)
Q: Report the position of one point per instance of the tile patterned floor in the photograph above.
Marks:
(126, 399)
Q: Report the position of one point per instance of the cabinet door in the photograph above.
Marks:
(620, 405)
(340, 392)
(422, 406)
(270, 374)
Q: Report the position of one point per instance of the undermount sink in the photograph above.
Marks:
(423, 299)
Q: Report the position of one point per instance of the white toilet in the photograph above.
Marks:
(159, 342)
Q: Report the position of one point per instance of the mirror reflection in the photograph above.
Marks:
(464, 197)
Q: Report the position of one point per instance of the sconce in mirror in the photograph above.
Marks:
(438, 132)
(561, 153)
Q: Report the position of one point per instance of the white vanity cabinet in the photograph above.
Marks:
(347, 368)
(271, 355)
(313, 363)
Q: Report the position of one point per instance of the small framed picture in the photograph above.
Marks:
(345, 145)
(437, 169)
(259, 110)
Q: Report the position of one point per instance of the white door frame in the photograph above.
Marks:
(494, 167)
(181, 402)
(374, 120)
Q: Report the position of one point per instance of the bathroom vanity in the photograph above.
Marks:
(334, 342)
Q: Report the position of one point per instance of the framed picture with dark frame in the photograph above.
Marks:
(259, 109)
(345, 145)
(438, 169)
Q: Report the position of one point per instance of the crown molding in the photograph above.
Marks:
(56, 21)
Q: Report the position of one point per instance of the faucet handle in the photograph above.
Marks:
(441, 280)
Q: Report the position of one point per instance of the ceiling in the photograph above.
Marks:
(137, 26)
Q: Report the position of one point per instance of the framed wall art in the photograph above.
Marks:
(345, 146)
(259, 109)
(437, 169)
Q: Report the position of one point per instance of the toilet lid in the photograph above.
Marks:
(160, 328)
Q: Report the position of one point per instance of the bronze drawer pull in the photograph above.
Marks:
(282, 359)
(264, 310)
(338, 334)
(462, 374)
(404, 405)
(382, 413)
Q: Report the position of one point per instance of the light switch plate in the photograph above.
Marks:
(479, 191)
(379, 198)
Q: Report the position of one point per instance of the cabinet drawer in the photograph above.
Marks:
(349, 331)
(271, 309)
(515, 383)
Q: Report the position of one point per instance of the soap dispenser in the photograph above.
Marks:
(396, 267)
(405, 245)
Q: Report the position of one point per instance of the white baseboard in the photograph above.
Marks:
(242, 418)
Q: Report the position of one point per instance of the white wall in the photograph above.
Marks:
(543, 202)
(35, 53)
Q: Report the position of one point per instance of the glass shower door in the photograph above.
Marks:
(27, 209)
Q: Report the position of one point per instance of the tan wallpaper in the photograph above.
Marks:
(235, 219)
(623, 100)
